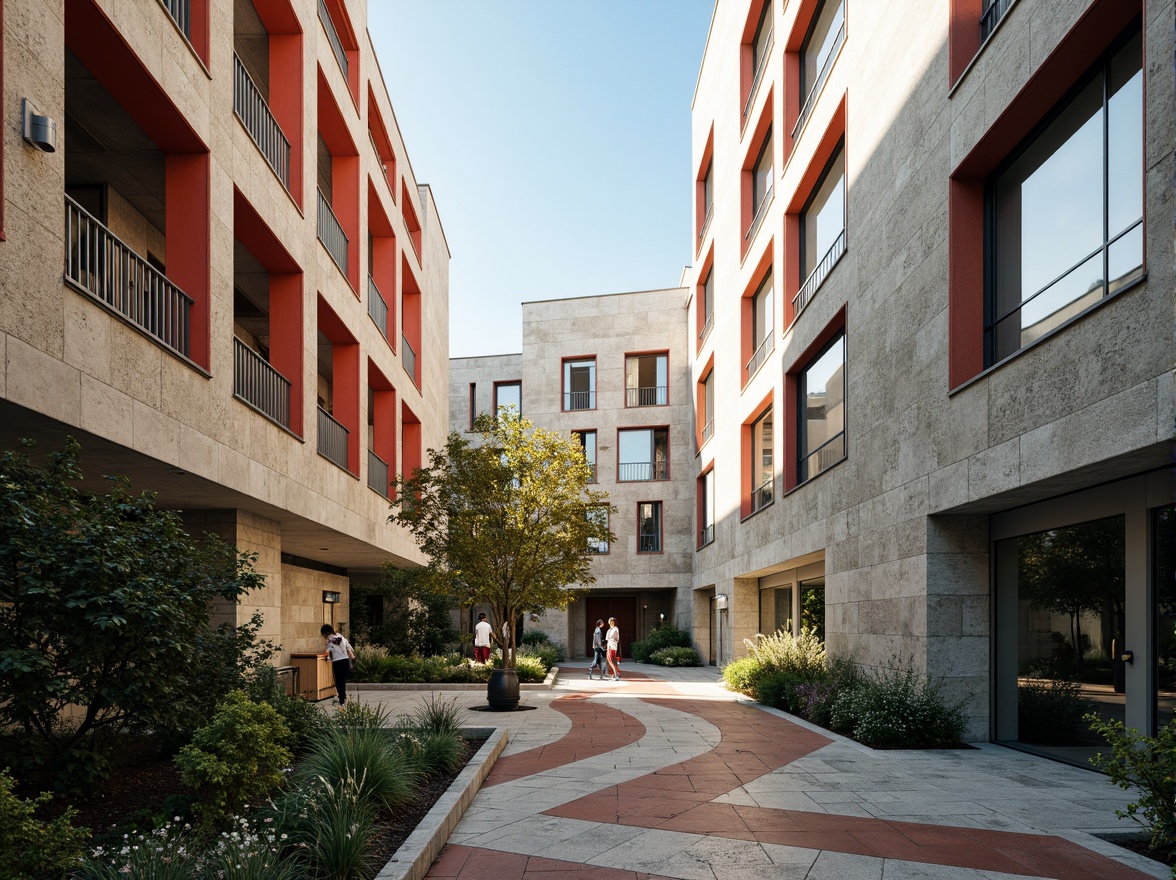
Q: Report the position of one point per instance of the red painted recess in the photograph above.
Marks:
(344, 174)
(345, 378)
(383, 418)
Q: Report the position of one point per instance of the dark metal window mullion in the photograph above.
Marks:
(1106, 158)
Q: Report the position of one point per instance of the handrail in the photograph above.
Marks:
(409, 356)
(762, 495)
(576, 400)
(377, 476)
(708, 430)
(377, 308)
(994, 11)
(642, 471)
(760, 211)
(331, 234)
(810, 99)
(706, 223)
(819, 273)
(259, 385)
(332, 439)
(649, 395)
(100, 264)
(649, 543)
(759, 72)
(333, 37)
(766, 347)
(706, 535)
(254, 113)
(181, 13)
(707, 327)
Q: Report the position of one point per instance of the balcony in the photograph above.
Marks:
(706, 535)
(814, 92)
(710, 213)
(255, 115)
(377, 476)
(707, 327)
(575, 400)
(99, 264)
(377, 308)
(333, 37)
(708, 430)
(409, 355)
(648, 396)
(332, 439)
(761, 211)
(990, 17)
(642, 471)
(260, 386)
(818, 275)
(331, 233)
(762, 495)
(766, 347)
(649, 543)
(181, 13)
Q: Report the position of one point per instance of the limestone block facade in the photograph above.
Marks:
(225, 280)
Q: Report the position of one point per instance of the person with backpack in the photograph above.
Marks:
(342, 657)
(597, 650)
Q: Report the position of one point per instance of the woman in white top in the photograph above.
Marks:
(342, 658)
(613, 638)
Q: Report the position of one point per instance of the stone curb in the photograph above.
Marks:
(546, 685)
(414, 857)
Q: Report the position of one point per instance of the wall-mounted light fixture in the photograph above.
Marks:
(331, 597)
(38, 130)
(721, 602)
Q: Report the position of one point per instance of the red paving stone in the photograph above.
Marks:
(596, 729)
(755, 743)
(472, 863)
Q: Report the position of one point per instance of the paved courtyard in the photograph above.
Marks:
(667, 774)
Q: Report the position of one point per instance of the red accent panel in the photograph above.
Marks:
(383, 417)
(198, 24)
(345, 378)
(965, 280)
(413, 224)
(384, 151)
(383, 259)
(286, 338)
(345, 204)
(189, 256)
(91, 36)
(963, 40)
(342, 21)
(410, 444)
(286, 99)
(411, 313)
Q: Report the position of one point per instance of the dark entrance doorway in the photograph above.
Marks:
(623, 608)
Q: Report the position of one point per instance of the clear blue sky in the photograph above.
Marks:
(556, 137)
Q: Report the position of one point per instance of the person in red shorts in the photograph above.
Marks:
(613, 639)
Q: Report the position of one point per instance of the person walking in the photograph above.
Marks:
(482, 632)
(597, 650)
(613, 640)
(342, 657)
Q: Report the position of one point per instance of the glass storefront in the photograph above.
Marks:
(1164, 542)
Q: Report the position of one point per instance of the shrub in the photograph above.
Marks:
(546, 653)
(437, 715)
(677, 656)
(1147, 764)
(365, 759)
(31, 849)
(779, 689)
(250, 851)
(530, 668)
(235, 759)
(665, 636)
(338, 830)
(165, 853)
(803, 655)
(354, 715)
(303, 718)
(415, 612)
(535, 638)
(369, 662)
(1051, 712)
(741, 675)
(897, 708)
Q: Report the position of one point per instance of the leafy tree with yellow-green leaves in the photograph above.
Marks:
(506, 520)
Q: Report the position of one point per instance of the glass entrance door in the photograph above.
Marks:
(1164, 544)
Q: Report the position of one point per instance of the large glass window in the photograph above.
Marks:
(708, 195)
(643, 454)
(708, 305)
(1164, 541)
(822, 224)
(579, 380)
(763, 311)
(821, 393)
(775, 610)
(598, 514)
(649, 527)
(708, 406)
(762, 469)
(588, 444)
(647, 380)
(1066, 214)
(706, 508)
(761, 47)
(820, 46)
(508, 394)
(812, 606)
(762, 178)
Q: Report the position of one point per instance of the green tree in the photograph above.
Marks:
(506, 521)
(104, 602)
(404, 611)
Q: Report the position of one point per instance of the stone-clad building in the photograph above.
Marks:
(219, 273)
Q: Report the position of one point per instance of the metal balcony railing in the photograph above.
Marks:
(331, 234)
(255, 115)
(766, 347)
(100, 264)
(333, 37)
(706, 535)
(649, 543)
(409, 355)
(759, 73)
(377, 476)
(762, 495)
(258, 384)
(650, 395)
(710, 213)
(574, 400)
(707, 327)
(377, 308)
(814, 91)
(332, 439)
(761, 211)
(991, 15)
(818, 275)
(708, 430)
(642, 471)
(181, 13)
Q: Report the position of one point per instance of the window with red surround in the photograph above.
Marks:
(410, 315)
(705, 505)
(704, 403)
(821, 367)
(758, 457)
(649, 527)
(411, 447)
(342, 42)
(338, 186)
(704, 191)
(381, 268)
(381, 439)
(704, 298)
(411, 222)
(754, 51)
(337, 390)
(758, 313)
(1071, 63)
(382, 144)
(758, 178)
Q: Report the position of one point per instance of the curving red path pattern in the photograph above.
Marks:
(473, 863)
(679, 798)
(596, 729)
